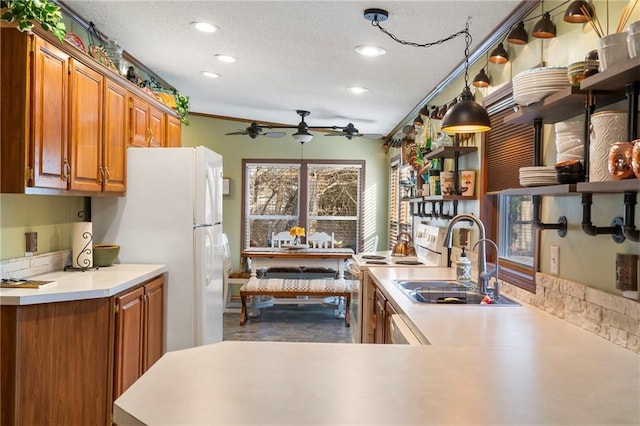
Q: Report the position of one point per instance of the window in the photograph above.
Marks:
(506, 148)
(400, 219)
(317, 195)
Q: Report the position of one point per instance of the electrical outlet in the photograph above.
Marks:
(555, 260)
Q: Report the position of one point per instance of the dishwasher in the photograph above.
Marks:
(400, 332)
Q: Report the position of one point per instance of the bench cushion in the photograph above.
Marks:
(287, 285)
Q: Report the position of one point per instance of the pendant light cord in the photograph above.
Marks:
(376, 23)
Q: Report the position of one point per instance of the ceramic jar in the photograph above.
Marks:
(606, 127)
(635, 158)
(619, 161)
(612, 49)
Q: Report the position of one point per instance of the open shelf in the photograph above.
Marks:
(563, 189)
(614, 78)
(615, 186)
(560, 106)
(450, 151)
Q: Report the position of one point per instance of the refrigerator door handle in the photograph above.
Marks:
(204, 225)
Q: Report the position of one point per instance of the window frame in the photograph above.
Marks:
(303, 203)
(514, 273)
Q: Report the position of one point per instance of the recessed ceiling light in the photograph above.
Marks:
(205, 27)
(225, 58)
(357, 89)
(366, 50)
(210, 74)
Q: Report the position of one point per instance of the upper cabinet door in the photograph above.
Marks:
(49, 112)
(116, 126)
(139, 117)
(174, 132)
(157, 127)
(86, 106)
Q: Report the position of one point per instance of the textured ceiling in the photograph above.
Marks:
(297, 54)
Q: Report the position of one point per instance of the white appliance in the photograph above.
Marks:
(428, 241)
(172, 215)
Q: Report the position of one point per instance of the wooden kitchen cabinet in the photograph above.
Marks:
(56, 363)
(116, 127)
(64, 363)
(174, 132)
(138, 333)
(380, 314)
(388, 312)
(34, 101)
(148, 124)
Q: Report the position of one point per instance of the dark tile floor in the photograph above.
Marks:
(289, 323)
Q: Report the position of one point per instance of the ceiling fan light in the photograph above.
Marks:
(481, 79)
(574, 14)
(544, 28)
(499, 55)
(302, 137)
(210, 74)
(467, 116)
(204, 27)
(367, 50)
(518, 35)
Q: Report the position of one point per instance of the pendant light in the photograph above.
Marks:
(466, 116)
(544, 28)
(574, 13)
(481, 79)
(499, 55)
(518, 35)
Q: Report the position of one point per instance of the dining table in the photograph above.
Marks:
(296, 256)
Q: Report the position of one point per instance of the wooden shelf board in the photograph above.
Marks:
(559, 106)
(615, 186)
(450, 151)
(563, 189)
(615, 77)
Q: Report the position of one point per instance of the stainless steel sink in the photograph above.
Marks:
(447, 292)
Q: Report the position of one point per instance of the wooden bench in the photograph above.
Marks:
(284, 287)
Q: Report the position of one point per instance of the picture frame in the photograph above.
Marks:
(226, 183)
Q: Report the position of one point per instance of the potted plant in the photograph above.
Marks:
(25, 12)
(182, 106)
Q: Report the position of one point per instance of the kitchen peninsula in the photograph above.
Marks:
(484, 365)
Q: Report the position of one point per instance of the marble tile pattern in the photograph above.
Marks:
(612, 317)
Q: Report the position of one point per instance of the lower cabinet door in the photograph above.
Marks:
(129, 330)
(154, 315)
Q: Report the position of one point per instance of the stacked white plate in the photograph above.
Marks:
(569, 140)
(533, 85)
(538, 176)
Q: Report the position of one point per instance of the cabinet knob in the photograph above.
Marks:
(67, 171)
(106, 174)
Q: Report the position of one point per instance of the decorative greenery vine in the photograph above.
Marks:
(25, 12)
(182, 106)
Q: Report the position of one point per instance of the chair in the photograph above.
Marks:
(277, 240)
(320, 240)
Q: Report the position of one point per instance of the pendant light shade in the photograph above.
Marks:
(544, 28)
(499, 55)
(467, 116)
(574, 13)
(518, 35)
(481, 79)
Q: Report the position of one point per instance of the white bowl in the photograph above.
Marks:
(633, 44)
(612, 49)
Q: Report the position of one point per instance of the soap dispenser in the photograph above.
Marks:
(463, 268)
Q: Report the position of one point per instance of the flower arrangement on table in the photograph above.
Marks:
(296, 232)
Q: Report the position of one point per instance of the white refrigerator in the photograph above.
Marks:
(172, 215)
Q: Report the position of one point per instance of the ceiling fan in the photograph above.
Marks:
(302, 134)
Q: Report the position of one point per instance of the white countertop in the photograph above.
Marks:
(78, 285)
(485, 365)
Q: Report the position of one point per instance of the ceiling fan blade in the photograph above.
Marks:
(335, 134)
(274, 134)
(372, 135)
(236, 133)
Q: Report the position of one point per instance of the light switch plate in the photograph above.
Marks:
(555, 260)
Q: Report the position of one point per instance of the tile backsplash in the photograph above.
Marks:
(607, 315)
(23, 267)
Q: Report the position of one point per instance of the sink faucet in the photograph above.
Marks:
(487, 275)
(483, 277)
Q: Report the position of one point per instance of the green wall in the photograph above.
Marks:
(50, 216)
(210, 132)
